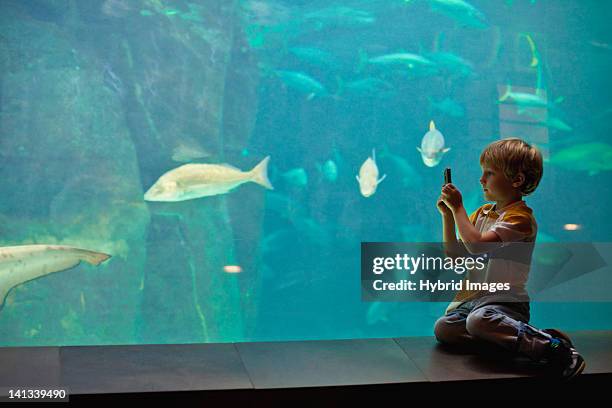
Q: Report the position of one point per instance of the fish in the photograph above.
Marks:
(403, 59)
(302, 82)
(523, 99)
(448, 107)
(23, 263)
(432, 146)
(551, 122)
(329, 169)
(410, 177)
(296, 177)
(188, 150)
(462, 12)
(196, 180)
(378, 312)
(451, 64)
(368, 176)
(339, 16)
(535, 59)
(593, 158)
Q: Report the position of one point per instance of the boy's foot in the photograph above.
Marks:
(559, 334)
(563, 359)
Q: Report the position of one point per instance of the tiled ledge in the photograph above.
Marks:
(271, 365)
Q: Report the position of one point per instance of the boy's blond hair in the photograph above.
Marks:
(513, 155)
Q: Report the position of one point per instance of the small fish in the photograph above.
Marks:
(193, 180)
(296, 177)
(339, 16)
(523, 99)
(551, 122)
(462, 12)
(432, 146)
(378, 312)
(23, 263)
(535, 60)
(188, 150)
(592, 158)
(405, 59)
(448, 107)
(409, 176)
(452, 65)
(302, 82)
(368, 176)
(329, 169)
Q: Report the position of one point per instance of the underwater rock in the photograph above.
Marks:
(70, 177)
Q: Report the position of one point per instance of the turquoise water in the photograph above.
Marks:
(99, 99)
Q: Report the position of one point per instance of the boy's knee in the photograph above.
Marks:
(444, 331)
(478, 321)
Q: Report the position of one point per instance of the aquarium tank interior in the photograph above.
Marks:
(110, 108)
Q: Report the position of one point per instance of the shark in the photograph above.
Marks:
(24, 263)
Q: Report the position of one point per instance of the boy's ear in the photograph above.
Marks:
(519, 180)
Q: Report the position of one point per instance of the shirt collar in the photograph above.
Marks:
(493, 210)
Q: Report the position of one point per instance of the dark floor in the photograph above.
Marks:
(302, 366)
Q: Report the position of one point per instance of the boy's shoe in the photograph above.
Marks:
(559, 334)
(563, 359)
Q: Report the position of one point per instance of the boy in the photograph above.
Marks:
(511, 169)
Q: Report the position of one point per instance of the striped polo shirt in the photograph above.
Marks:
(507, 263)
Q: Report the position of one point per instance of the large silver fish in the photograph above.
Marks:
(432, 146)
(193, 180)
(23, 263)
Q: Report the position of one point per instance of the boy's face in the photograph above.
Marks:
(495, 184)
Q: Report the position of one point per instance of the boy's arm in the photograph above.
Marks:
(452, 247)
(475, 242)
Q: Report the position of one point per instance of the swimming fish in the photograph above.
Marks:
(523, 99)
(302, 82)
(368, 176)
(462, 12)
(193, 180)
(545, 119)
(591, 157)
(432, 146)
(339, 16)
(23, 263)
(329, 170)
(447, 106)
(451, 65)
(188, 150)
(296, 177)
(409, 176)
(378, 312)
(405, 59)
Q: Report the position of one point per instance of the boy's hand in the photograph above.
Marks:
(451, 196)
(443, 208)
